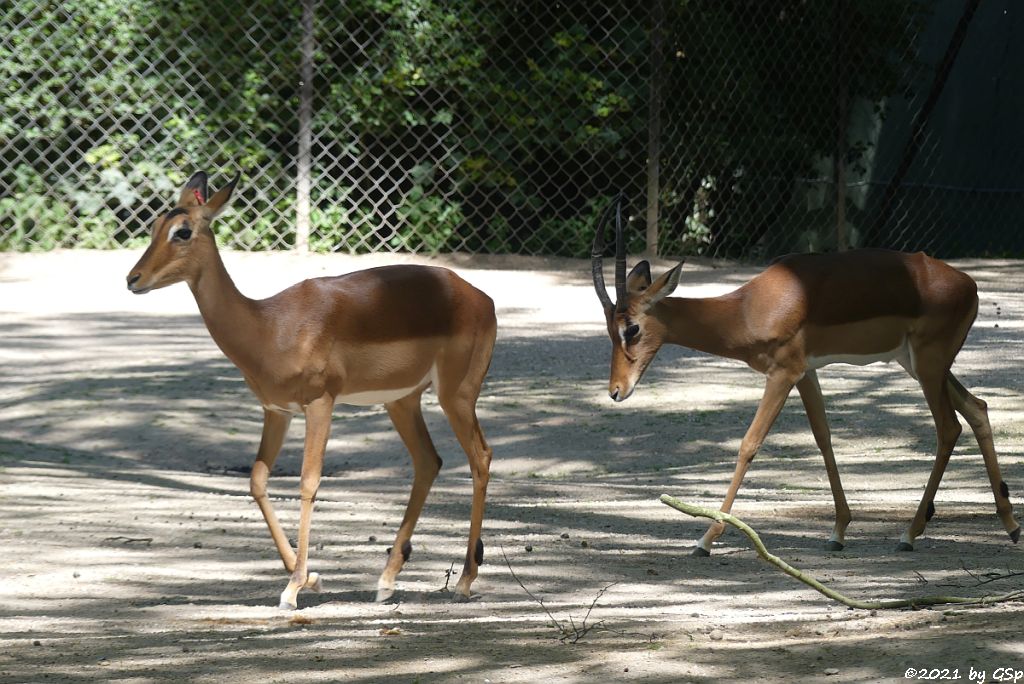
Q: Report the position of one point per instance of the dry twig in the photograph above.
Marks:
(447, 578)
(982, 579)
(699, 511)
(572, 633)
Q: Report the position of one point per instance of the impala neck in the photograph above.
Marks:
(234, 320)
(712, 325)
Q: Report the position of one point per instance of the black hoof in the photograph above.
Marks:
(904, 546)
(833, 545)
(700, 552)
(1015, 535)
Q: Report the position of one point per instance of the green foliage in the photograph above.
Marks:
(338, 228)
(574, 236)
(428, 223)
(438, 124)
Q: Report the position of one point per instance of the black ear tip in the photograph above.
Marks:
(198, 179)
(642, 268)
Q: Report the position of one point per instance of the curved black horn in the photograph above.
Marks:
(620, 258)
(596, 262)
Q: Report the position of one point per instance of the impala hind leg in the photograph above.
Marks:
(407, 416)
(318, 428)
(462, 416)
(458, 399)
(975, 412)
(814, 405)
(947, 430)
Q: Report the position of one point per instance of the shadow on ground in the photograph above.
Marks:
(125, 447)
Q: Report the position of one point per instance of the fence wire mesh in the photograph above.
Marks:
(736, 128)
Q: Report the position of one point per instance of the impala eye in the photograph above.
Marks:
(183, 233)
(631, 332)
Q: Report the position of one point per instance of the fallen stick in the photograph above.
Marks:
(719, 516)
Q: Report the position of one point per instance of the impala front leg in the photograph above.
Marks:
(318, 428)
(275, 427)
(776, 390)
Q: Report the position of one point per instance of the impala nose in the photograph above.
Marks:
(614, 394)
(133, 278)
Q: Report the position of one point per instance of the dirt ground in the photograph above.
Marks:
(134, 553)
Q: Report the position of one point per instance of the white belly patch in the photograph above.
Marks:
(291, 407)
(901, 353)
(383, 396)
(374, 397)
(370, 398)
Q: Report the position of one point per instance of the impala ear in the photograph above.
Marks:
(221, 197)
(639, 279)
(195, 191)
(662, 287)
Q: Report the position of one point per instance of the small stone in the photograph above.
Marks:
(716, 635)
(584, 544)
(76, 574)
(37, 642)
(831, 671)
(565, 535)
(197, 545)
(373, 538)
(529, 547)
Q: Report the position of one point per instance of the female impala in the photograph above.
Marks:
(377, 336)
(802, 313)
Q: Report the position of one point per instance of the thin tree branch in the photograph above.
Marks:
(982, 579)
(530, 593)
(718, 516)
(573, 633)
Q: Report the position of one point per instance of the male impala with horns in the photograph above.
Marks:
(802, 313)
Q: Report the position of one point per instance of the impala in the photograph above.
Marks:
(379, 336)
(802, 313)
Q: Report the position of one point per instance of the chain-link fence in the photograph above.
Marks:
(737, 128)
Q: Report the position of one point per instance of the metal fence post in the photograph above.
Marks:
(654, 127)
(304, 163)
(842, 122)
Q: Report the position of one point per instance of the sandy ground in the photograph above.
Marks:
(134, 553)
